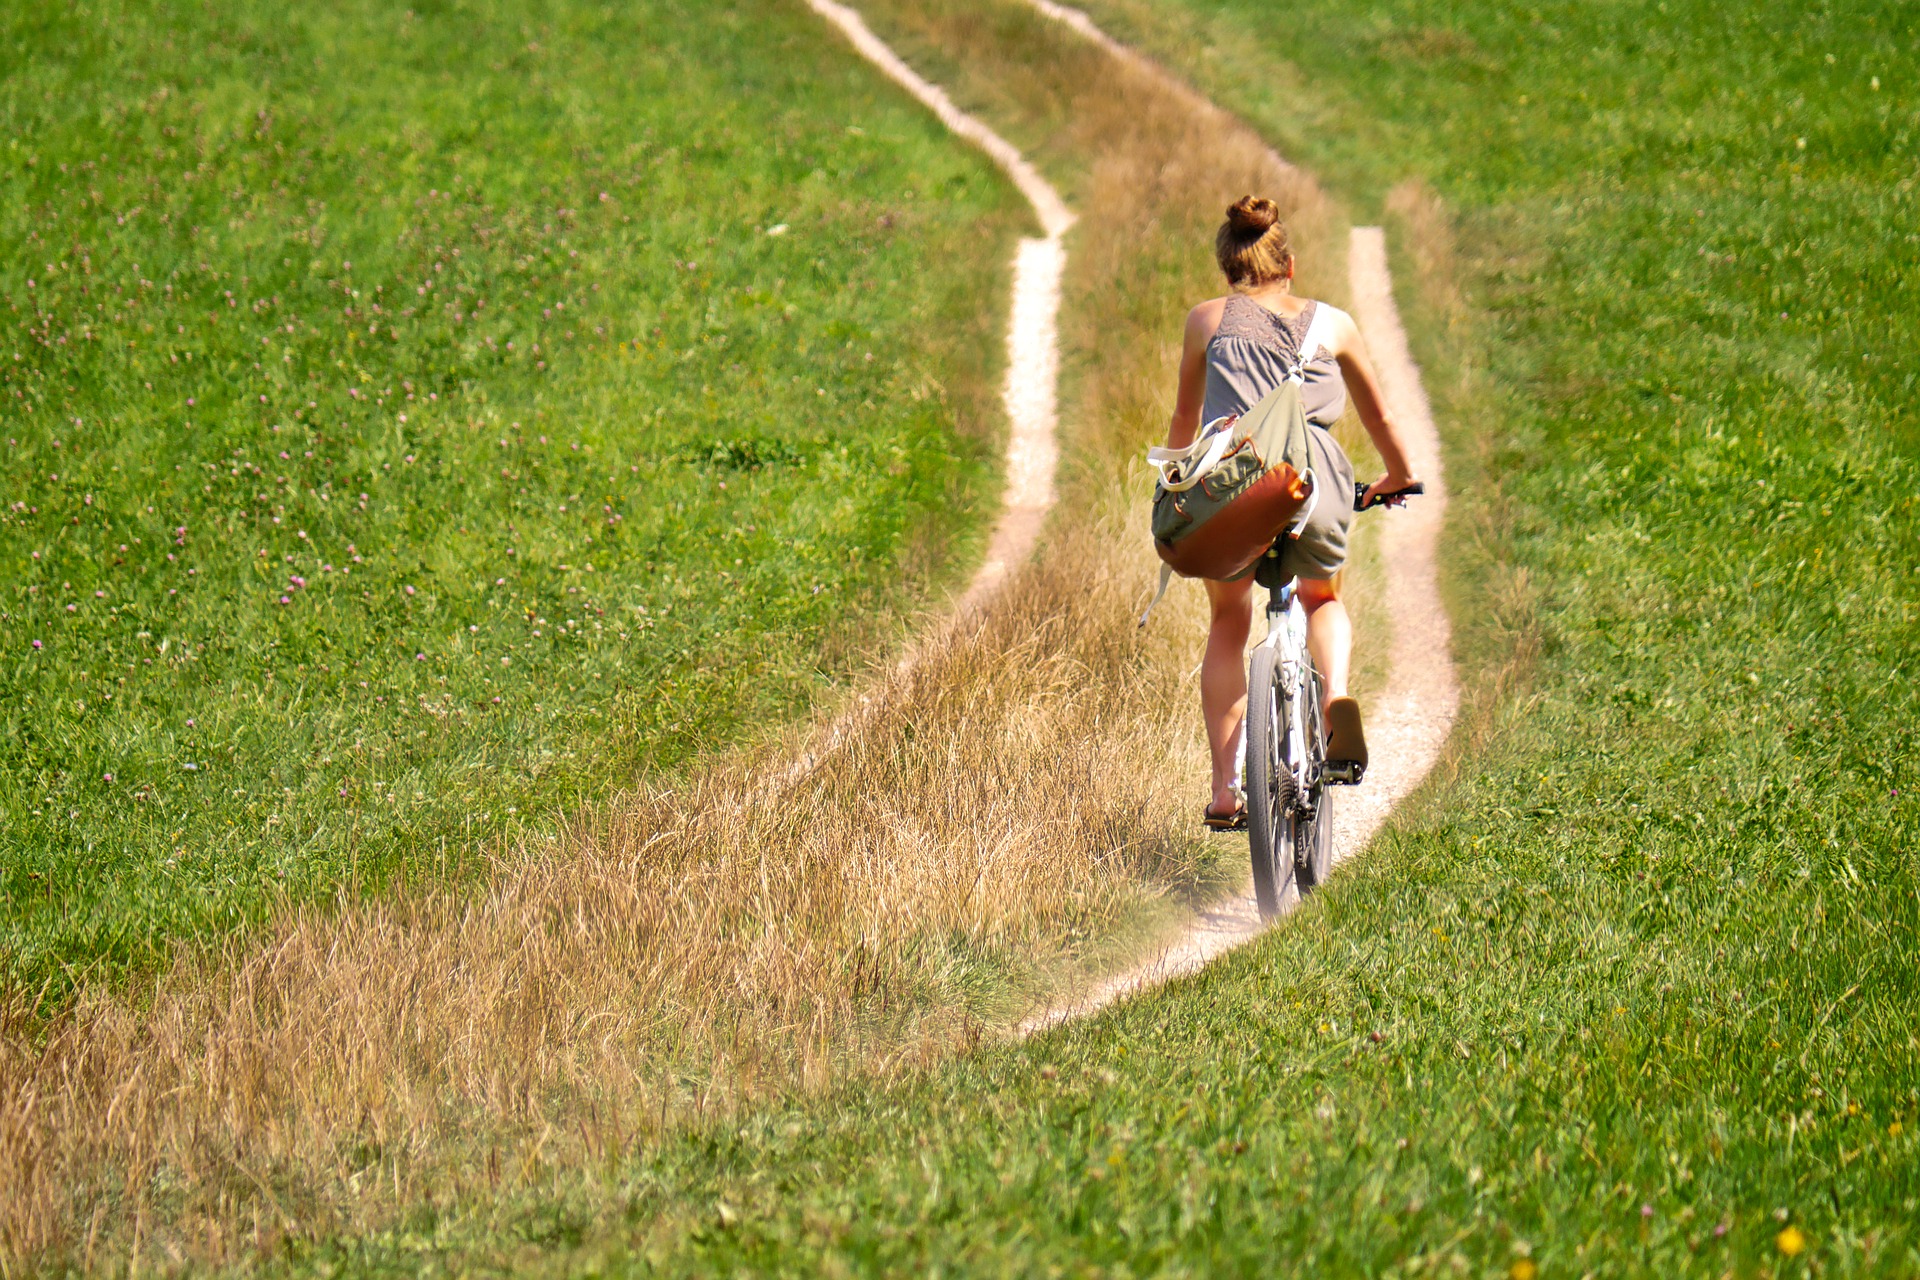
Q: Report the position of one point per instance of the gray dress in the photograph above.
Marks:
(1250, 355)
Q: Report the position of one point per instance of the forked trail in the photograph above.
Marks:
(760, 923)
(1410, 720)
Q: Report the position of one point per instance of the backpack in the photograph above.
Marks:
(1222, 501)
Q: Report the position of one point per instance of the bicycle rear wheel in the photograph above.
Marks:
(1270, 785)
(1313, 838)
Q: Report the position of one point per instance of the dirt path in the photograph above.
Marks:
(693, 943)
(1031, 391)
(1410, 720)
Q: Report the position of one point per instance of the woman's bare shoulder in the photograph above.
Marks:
(1338, 331)
(1204, 320)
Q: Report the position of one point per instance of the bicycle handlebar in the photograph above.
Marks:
(1393, 499)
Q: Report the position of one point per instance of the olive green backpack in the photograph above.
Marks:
(1221, 502)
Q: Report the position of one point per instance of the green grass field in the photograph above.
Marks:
(1630, 989)
(419, 421)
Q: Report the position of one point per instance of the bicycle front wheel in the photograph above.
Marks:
(1270, 785)
(1313, 838)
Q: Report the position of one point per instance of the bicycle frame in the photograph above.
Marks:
(1287, 637)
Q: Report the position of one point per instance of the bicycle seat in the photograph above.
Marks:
(1267, 571)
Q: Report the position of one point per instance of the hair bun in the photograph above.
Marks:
(1252, 215)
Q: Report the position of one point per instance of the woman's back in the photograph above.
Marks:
(1235, 351)
(1254, 350)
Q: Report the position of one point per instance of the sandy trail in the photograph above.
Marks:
(1410, 721)
(552, 989)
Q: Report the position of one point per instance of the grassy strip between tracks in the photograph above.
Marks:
(419, 420)
(1631, 990)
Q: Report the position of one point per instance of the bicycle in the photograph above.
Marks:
(1288, 777)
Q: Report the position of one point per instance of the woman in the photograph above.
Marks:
(1238, 348)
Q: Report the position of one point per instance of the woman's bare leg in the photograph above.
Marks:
(1329, 633)
(1223, 683)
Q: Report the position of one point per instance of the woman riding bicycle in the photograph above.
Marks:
(1237, 349)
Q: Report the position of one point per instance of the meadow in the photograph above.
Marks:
(1630, 989)
(1627, 989)
(430, 1062)
(420, 421)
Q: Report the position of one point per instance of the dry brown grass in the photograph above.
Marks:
(987, 821)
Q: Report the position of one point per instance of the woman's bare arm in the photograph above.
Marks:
(1202, 323)
(1351, 351)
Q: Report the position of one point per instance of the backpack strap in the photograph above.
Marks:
(1181, 469)
(1166, 576)
(1316, 335)
(1299, 524)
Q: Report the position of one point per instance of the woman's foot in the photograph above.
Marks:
(1228, 813)
(1346, 742)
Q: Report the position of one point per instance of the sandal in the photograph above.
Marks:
(1235, 821)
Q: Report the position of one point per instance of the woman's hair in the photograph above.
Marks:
(1252, 245)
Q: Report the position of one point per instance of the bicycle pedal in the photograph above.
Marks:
(1343, 773)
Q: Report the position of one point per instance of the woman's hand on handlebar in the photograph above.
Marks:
(1389, 490)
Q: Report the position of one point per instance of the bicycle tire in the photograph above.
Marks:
(1270, 784)
(1313, 840)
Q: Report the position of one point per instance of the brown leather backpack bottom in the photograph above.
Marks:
(1229, 544)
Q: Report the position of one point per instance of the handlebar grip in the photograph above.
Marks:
(1360, 502)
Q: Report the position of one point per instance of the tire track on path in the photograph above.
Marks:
(1410, 721)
